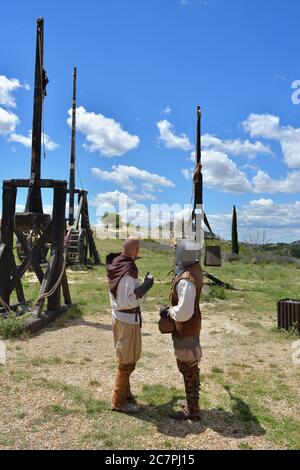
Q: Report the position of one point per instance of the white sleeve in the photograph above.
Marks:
(186, 291)
(126, 298)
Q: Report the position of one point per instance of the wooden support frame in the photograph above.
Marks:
(11, 275)
(7, 238)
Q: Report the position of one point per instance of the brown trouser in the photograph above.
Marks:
(188, 350)
(128, 341)
(128, 346)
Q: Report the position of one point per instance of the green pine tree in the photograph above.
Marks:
(234, 234)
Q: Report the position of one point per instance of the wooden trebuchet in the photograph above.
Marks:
(34, 230)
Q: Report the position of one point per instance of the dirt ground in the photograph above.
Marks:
(56, 387)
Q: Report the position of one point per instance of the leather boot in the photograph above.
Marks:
(129, 396)
(192, 385)
(191, 376)
(119, 401)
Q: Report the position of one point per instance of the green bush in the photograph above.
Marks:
(217, 292)
(12, 327)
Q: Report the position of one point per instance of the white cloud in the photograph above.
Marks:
(263, 183)
(103, 135)
(220, 173)
(145, 197)
(235, 147)
(8, 122)
(167, 110)
(7, 87)
(187, 174)
(268, 126)
(111, 198)
(27, 141)
(281, 221)
(126, 176)
(277, 76)
(170, 139)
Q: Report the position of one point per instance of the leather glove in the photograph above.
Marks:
(142, 290)
(164, 312)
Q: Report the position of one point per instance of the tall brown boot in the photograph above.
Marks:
(129, 396)
(119, 401)
(192, 386)
(191, 376)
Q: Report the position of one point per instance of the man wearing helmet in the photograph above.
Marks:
(186, 315)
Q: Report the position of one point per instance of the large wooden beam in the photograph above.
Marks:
(7, 238)
(58, 235)
(73, 153)
(43, 183)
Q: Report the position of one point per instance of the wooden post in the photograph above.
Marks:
(58, 234)
(7, 237)
(198, 200)
(34, 198)
(73, 153)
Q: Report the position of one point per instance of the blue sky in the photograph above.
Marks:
(143, 66)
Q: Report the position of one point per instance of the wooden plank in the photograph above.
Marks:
(32, 254)
(43, 183)
(66, 290)
(85, 223)
(32, 220)
(36, 249)
(19, 287)
(7, 237)
(58, 236)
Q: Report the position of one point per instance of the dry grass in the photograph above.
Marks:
(55, 388)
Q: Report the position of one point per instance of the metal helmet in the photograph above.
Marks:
(188, 252)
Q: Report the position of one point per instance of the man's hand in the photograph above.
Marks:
(164, 312)
(149, 280)
(142, 290)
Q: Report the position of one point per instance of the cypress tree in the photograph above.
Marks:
(234, 234)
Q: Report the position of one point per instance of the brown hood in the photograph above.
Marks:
(117, 266)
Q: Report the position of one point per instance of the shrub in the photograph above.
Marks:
(217, 292)
(12, 326)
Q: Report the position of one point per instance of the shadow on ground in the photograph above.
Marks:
(238, 423)
(62, 323)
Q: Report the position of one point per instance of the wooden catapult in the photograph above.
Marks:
(81, 240)
(36, 232)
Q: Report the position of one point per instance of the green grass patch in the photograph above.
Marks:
(50, 361)
(12, 327)
(245, 446)
(58, 410)
(78, 395)
(217, 370)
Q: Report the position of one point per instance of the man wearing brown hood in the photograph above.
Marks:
(126, 295)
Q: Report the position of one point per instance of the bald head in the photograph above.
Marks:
(131, 247)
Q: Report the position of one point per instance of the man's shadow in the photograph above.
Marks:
(237, 423)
